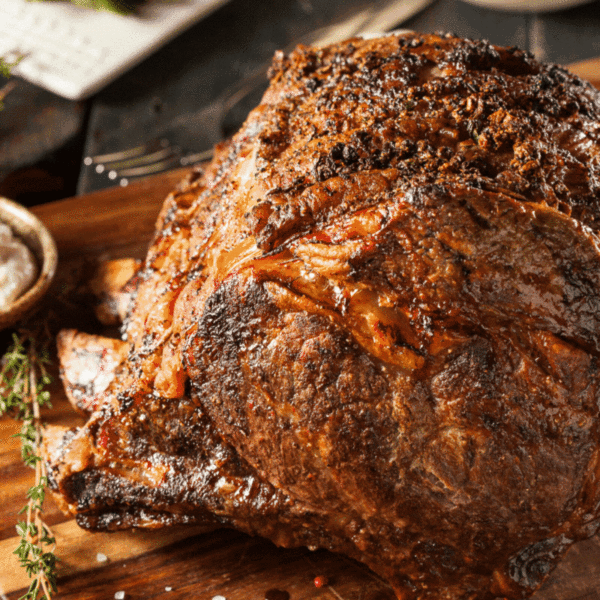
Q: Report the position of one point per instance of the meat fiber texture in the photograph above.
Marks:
(371, 324)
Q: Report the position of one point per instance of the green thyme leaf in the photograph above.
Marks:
(122, 7)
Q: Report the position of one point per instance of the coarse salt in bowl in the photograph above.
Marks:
(28, 260)
(18, 266)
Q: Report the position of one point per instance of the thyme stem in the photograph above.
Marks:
(22, 381)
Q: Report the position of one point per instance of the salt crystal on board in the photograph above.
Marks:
(101, 557)
(219, 598)
(119, 595)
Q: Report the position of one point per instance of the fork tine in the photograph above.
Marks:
(148, 169)
(192, 159)
(142, 149)
(148, 165)
(143, 159)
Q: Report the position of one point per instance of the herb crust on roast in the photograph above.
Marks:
(371, 324)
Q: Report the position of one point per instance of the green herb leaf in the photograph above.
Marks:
(122, 7)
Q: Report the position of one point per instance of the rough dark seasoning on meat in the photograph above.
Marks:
(371, 325)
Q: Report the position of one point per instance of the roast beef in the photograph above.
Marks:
(371, 324)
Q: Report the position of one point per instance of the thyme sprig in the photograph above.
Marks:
(23, 380)
(123, 7)
(5, 70)
(5, 67)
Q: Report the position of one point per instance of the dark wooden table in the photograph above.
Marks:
(43, 138)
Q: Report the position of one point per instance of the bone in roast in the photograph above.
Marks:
(371, 324)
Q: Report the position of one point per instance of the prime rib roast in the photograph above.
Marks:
(371, 324)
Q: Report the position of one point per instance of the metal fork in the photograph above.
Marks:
(189, 138)
(161, 153)
(197, 133)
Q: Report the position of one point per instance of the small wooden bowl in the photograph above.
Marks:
(35, 235)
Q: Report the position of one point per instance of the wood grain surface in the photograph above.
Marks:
(183, 562)
(587, 69)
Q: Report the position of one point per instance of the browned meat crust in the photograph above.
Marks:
(373, 325)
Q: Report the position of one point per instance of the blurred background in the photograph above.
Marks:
(183, 91)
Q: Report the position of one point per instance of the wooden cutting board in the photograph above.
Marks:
(184, 562)
(587, 69)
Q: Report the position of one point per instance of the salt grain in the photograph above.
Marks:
(219, 598)
(119, 595)
(168, 589)
(101, 557)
